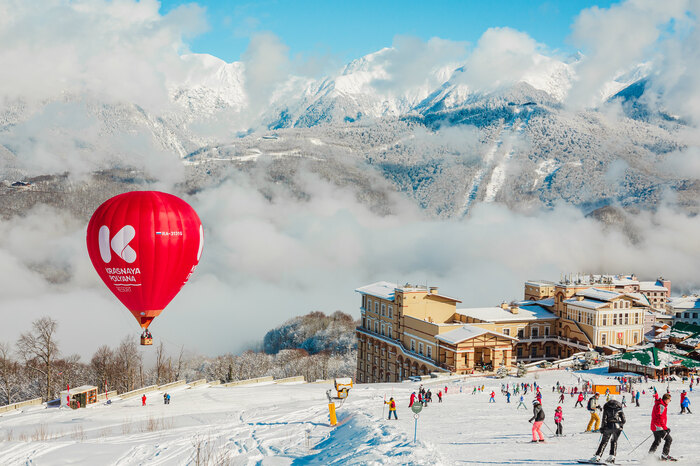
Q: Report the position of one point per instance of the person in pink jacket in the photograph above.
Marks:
(558, 418)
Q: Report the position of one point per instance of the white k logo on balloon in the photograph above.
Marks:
(119, 244)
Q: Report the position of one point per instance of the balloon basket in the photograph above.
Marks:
(146, 341)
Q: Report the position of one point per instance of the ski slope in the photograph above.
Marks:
(277, 424)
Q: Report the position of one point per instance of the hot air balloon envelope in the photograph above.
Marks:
(145, 245)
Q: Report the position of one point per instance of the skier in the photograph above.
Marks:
(474, 392)
(428, 397)
(636, 398)
(579, 401)
(439, 396)
(558, 419)
(613, 422)
(682, 398)
(521, 403)
(143, 400)
(392, 408)
(561, 397)
(167, 399)
(445, 389)
(658, 426)
(624, 402)
(685, 407)
(538, 417)
(507, 397)
(592, 408)
(412, 400)
(493, 397)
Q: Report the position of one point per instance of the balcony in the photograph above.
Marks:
(555, 338)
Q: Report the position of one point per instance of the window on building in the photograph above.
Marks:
(533, 351)
(413, 345)
(614, 319)
(605, 319)
(369, 357)
(376, 327)
(364, 301)
(388, 333)
(506, 331)
(534, 332)
(364, 323)
(519, 351)
(695, 315)
(383, 329)
(579, 316)
(430, 352)
(376, 307)
(521, 333)
(383, 309)
(420, 348)
(627, 317)
(636, 318)
(546, 331)
(686, 315)
(603, 339)
(635, 335)
(369, 304)
(391, 311)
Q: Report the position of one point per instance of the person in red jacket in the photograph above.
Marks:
(143, 400)
(659, 428)
(579, 401)
(413, 399)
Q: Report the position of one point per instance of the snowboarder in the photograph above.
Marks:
(613, 422)
(538, 417)
(392, 408)
(658, 426)
(558, 419)
(143, 400)
(593, 408)
(493, 397)
(685, 407)
(579, 401)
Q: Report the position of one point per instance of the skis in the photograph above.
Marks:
(603, 462)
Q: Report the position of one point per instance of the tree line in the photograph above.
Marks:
(315, 346)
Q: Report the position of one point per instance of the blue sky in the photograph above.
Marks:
(348, 30)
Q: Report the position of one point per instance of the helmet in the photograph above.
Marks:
(535, 402)
(558, 408)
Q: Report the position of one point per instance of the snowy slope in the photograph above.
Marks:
(288, 424)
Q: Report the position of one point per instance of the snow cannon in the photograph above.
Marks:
(342, 387)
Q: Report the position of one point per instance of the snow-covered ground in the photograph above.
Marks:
(288, 424)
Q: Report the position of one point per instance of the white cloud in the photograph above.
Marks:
(616, 39)
(120, 50)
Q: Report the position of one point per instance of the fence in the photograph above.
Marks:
(21, 404)
(247, 381)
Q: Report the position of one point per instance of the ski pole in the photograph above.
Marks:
(628, 439)
(550, 430)
(640, 443)
(384, 406)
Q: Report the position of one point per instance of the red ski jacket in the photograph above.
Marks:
(658, 415)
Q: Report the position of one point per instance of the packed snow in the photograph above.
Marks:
(289, 424)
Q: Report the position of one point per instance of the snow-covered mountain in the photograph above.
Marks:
(442, 140)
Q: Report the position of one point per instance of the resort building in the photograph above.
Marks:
(414, 330)
(685, 309)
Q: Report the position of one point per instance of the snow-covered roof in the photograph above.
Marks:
(587, 303)
(540, 283)
(600, 295)
(466, 332)
(624, 281)
(383, 290)
(498, 314)
(657, 359)
(640, 299)
(685, 302)
(651, 286)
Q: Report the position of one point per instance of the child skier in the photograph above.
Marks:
(392, 408)
(521, 403)
(558, 419)
(685, 407)
(579, 401)
(538, 417)
(493, 397)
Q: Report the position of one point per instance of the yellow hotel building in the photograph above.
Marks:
(414, 330)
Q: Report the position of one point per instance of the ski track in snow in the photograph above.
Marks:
(288, 424)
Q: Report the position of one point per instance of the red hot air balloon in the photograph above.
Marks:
(145, 245)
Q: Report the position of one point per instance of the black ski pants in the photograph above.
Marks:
(610, 435)
(660, 435)
(560, 428)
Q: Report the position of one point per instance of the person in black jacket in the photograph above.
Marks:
(538, 417)
(613, 422)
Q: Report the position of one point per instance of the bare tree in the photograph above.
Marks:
(39, 349)
(102, 364)
(128, 365)
(163, 365)
(10, 375)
